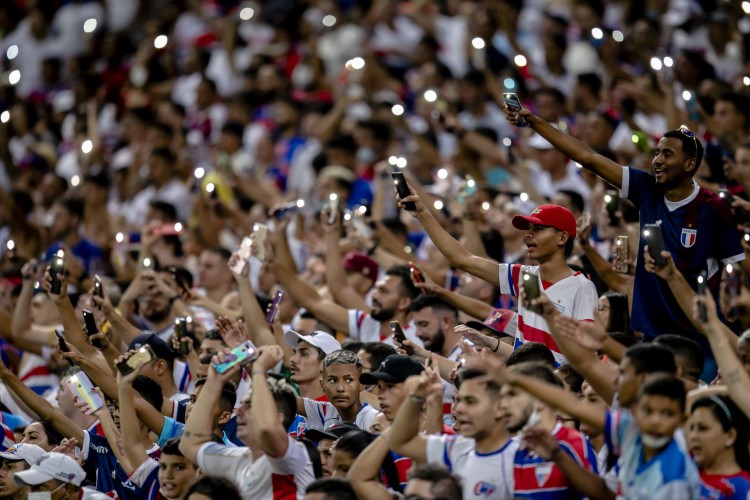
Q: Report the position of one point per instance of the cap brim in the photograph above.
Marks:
(479, 326)
(523, 221)
(32, 477)
(318, 435)
(11, 456)
(292, 338)
(373, 377)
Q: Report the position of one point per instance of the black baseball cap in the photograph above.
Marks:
(333, 431)
(394, 369)
(161, 348)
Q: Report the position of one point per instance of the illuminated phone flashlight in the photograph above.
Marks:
(199, 172)
(597, 33)
(656, 64)
(438, 205)
(329, 20)
(362, 209)
(5, 116)
(607, 198)
(486, 206)
(120, 237)
(300, 203)
(442, 174)
(177, 227)
(524, 197)
(355, 64)
(686, 95)
(160, 41)
(520, 61)
(392, 160)
(478, 43)
(430, 95)
(10, 245)
(618, 36)
(397, 110)
(89, 25)
(646, 233)
(401, 162)
(247, 13)
(87, 146)
(210, 187)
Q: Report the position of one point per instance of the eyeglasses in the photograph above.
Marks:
(689, 133)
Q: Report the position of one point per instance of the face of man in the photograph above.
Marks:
(517, 405)
(430, 325)
(657, 418)
(477, 410)
(727, 118)
(63, 223)
(386, 298)
(208, 348)
(245, 430)
(341, 385)
(741, 171)
(213, 270)
(542, 242)
(670, 162)
(8, 487)
(305, 363)
(325, 447)
(628, 382)
(176, 474)
(390, 396)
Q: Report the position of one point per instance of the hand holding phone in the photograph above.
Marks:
(403, 190)
(91, 329)
(333, 208)
(80, 386)
(243, 254)
(400, 336)
(655, 241)
(530, 283)
(273, 308)
(181, 332)
(259, 237)
(701, 290)
(514, 105)
(243, 354)
(63, 345)
(138, 358)
(57, 267)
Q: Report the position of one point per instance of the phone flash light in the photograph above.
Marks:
(486, 206)
(430, 95)
(747, 237)
(146, 262)
(87, 146)
(646, 232)
(210, 187)
(524, 197)
(247, 13)
(300, 203)
(730, 268)
(438, 205)
(160, 41)
(177, 227)
(119, 237)
(89, 26)
(442, 174)
(477, 43)
(700, 279)
(10, 244)
(397, 110)
(199, 173)
(333, 197)
(329, 21)
(401, 162)
(520, 61)
(656, 64)
(597, 33)
(607, 198)
(5, 116)
(687, 95)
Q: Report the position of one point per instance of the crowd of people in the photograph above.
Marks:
(374, 249)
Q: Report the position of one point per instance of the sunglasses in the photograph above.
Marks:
(689, 133)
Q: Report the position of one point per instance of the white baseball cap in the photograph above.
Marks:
(51, 466)
(23, 451)
(322, 340)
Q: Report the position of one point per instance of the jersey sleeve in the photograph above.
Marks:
(616, 424)
(578, 447)
(221, 460)
(170, 429)
(315, 412)
(438, 450)
(637, 185)
(294, 460)
(508, 278)
(145, 473)
(356, 317)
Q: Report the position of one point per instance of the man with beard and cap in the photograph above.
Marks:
(326, 440)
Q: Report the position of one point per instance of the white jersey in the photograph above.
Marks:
(366, 329)
(485, 476)
(321, 414)
(573, 296)
(266, 478)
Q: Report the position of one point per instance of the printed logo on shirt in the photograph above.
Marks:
(559, 307)
(543, 472)
(688, 237)
(483, 488)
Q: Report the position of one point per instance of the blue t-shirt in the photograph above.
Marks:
(701, 236)
(173, 428)
(110, 476)
(90, 255)
(721, 487)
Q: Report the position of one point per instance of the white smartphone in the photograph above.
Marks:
(260, 233)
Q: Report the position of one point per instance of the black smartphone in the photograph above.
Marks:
(655, 241)
(181, 332)
(612, 200)
(514, 104)
(403, 190)
(98, 287)
(273, 308)
(91, 328)
(740, 214)
(530, 283)
(400, 336)
(701, 290)
(57, 267)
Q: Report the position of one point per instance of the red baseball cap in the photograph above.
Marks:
(548, 215)
(361, 263)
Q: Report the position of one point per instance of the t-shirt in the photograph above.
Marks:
(718, 487)
(699, 233)
(90, 255)
(266, 478)
(172, 428)
(146, 477)
(484, 475)
(110, 476)
(668, 475)
(539, 479)
(573, 296)
(321, 414)
(299, 425)
(364, 328)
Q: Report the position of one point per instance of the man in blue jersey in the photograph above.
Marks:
(696, 223)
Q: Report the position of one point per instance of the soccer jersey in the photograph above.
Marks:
(539, 479)
(364, 328)
(573, 296)
(266, 478)
(668, 475)
(146, 477)
(110, 476)
(321, 414)
(299, 425)
(720, 487)
(484, 475)
(699, 233)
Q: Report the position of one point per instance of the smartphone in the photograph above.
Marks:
(622, 252)
(655, 241)
(181, 332)
(739, 212)
(733, 280)
(98, 287)
(530, 283)
(212, 191)
(91, 328)
(403, 190)
(63, 345)
(244, 253)
(293, 207)
(514, 104)
(274, 307)
(57, 267)
(148, 264)
(168, 229)
(333, 208)
(400, 336)
(80, 385)
(701, 290)
(139, 358)
(259, 236)
(416, 274)
(612, 200)
(241, 355)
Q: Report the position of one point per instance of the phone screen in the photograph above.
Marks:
(403, 190)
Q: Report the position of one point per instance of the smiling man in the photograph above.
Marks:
(696, 223)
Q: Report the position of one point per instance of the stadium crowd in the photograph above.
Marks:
(374, 249)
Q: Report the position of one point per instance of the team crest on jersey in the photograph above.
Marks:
(543, 472)
(485, 489)
(688, 237)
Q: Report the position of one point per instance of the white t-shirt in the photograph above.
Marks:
(266, 478)
(321, 414)
(366, 329)
(485, 476)
(573, 296)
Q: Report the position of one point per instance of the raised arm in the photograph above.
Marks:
(364, 475)
(73, 332)
(342, 292)
(574, 149)
(134, 452)
(456, 254)
(404, 437)
(271, 434)
(251, 311)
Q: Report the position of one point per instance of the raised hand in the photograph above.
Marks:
(540, 441)
(664, 272)
(590, 335)
(232, 333)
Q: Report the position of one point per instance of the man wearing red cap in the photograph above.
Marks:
(550, 233)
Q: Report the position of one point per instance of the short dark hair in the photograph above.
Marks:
(532, 351)
(378, 351)
(165, 208)
(335, 488)
(149, 390)
(666, 385)
(571, 377)
(691, 146)
(592, 81)
(214, 487)
(228, 397)
(407, 285)
(552, 92)
(172, 447)
(165, 154)
(220, 251)
(651, 358)
(538, 370)
(688, 350)
(426, 300)
(575, 199)
(233, 128)
(285, 399)
(74, 205)
(568, 248)
(465, 374)
(445, 485)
